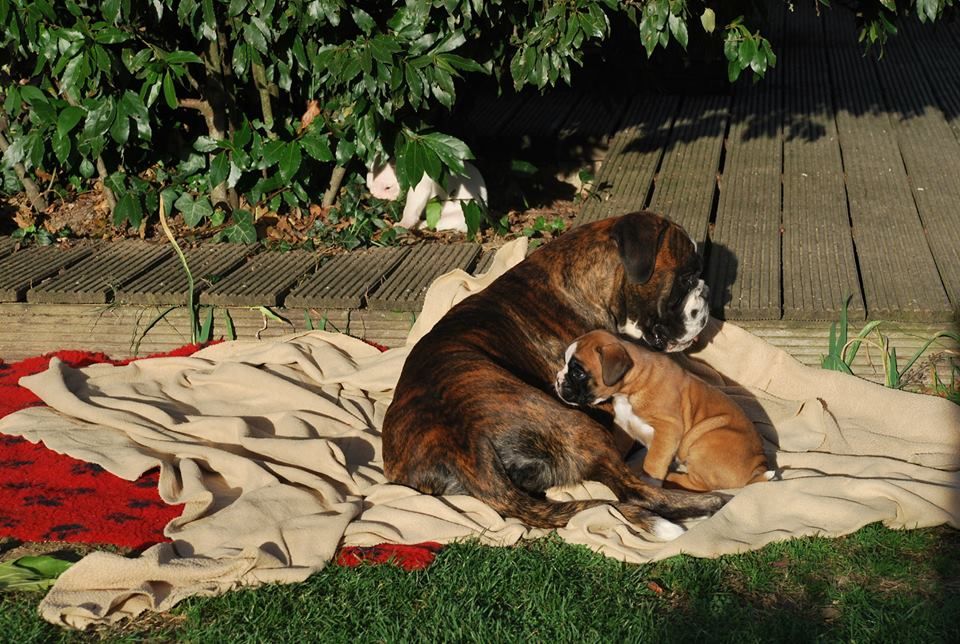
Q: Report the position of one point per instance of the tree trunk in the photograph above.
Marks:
(33, 193)
(219, 76)
(218, 193)
(336, 178)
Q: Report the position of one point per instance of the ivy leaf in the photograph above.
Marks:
(242, 231)
(128, 210)
(169, 196)
(193, 211)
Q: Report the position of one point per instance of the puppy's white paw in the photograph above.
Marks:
(666, 530)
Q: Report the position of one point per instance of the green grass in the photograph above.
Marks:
(875, 585)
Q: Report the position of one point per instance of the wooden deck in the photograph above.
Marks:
(838, 175)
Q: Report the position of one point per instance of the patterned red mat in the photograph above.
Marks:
(46, 496)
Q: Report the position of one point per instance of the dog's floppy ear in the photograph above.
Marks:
(615, 362)
(638, 236)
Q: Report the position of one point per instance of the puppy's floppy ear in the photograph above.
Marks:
(615, 362)
(638, 236)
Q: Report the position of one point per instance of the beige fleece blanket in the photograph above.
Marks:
(274, 448)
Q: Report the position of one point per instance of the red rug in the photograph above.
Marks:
(46, 496)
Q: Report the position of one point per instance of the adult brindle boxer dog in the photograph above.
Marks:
(474, 411)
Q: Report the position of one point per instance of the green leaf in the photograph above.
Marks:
(363, 20)
(451, 150)
(68, 119)
(75, 75)
(272, 151)
(135, 108)
(433, 210)
(86, 168)
(709, 20)
(733, 70)
(32, 95)
(231, 331)
(473, 216)
(255, 38)
(193, 211)
(120, 130)
(181, 57)
(98, 119)
(678, 28)
(317, 146)
(110, 9)
(219, 169)
(61, 145)
(410, 164)
(289, 160)
(345, 152)
(170, 92)
(893, 375)
(746, 51)
(31, 573)
(207, 330)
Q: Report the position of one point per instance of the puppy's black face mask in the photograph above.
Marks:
(576, 386)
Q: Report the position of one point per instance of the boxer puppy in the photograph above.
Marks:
(474, 410)
(673, 413)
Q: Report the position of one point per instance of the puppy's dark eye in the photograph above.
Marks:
(576, 372)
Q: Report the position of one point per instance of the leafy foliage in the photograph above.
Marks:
(253, 106)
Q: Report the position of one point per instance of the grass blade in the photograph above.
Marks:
(228, 324)
(207, 329)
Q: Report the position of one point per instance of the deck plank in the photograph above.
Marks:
(931, 155)
(819, 262)
(744, 264)
(262, 281)
(897, 269)
(7, 244)
(587, 131)
(27, 267)
(685, 184)
(626, 175)
(405, 288)
(345, 280)
(96, 279)
(167, 283)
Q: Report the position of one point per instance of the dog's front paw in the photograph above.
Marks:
(649, 480)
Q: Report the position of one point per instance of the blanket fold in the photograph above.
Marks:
(274, 448)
